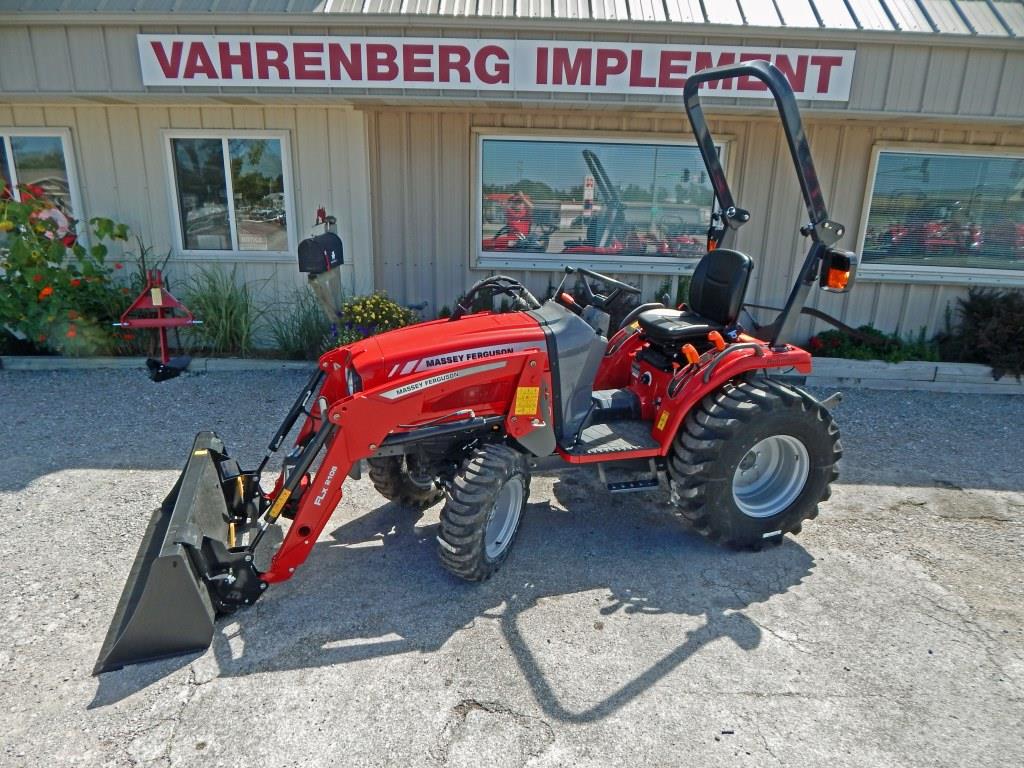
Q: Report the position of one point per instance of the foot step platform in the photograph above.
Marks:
(614, 437)
(628, 480)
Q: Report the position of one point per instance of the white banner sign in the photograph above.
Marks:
(479, 65)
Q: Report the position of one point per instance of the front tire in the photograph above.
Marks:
(752, 461)
(485, 506)
(395, 480)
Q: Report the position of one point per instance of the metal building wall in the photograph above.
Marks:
(911, 73)
(423, 206)
(120, 155)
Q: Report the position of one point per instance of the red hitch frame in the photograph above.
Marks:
(160, 310)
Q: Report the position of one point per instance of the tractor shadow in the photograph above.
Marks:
(377, 590)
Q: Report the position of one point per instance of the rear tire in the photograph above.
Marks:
(485, 506)
(752, 461)
(392, 478)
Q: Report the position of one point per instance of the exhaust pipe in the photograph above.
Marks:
(188, 569)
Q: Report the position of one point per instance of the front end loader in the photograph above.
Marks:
(466, 409)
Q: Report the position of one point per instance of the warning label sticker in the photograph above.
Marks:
(662, 420)
(526, 401)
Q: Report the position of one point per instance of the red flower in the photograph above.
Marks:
(30, 191)
(69, 240)
(72, 332)
(118, 265)
(37, 278)
(45, 292)
(40, 338)
(75, 282)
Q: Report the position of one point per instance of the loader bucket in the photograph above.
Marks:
(167, 607)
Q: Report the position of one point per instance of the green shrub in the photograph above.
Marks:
(227, 309)
(363, 316)
(301, 330)
(56, 295)
(987, 327)
(873, 344)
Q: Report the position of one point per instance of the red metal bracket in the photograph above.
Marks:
(159, 306)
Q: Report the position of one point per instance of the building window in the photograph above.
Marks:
(39, 158)
(230, 193)
(604, 201)
(947, 210)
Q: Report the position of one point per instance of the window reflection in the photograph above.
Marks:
(597, 198)
(947, 210)
(202, 194)
(257, 179)
(5, 174)
(39, 161)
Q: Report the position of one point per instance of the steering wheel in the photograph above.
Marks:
(496, 284)
(597, 299)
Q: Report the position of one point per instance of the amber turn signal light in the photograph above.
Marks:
(836, 279)
(837, 270)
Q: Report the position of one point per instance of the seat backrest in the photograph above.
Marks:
(719, 284)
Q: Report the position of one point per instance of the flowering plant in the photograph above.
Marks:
(363, 316)
(55, 293)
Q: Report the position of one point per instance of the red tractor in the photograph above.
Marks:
(466, 409)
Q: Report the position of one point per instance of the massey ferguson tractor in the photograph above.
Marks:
(466, 408)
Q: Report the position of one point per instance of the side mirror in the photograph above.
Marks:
(838, 269)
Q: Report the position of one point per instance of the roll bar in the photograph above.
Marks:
(821, 229)
(604, 184)
(792, 126)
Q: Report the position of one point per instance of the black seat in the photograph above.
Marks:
(716, 295)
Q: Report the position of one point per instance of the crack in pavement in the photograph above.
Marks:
(534, 726)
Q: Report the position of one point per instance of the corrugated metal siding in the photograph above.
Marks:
(979, 17)
(423, 206)
(103, 63)
(120, 158)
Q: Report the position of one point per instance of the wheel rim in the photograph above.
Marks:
(770, 476)
(504, 517)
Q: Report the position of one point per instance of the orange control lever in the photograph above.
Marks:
(716, 338)
(690, 353)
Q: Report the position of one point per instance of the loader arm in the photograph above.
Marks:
(357, 431)
(198, 557)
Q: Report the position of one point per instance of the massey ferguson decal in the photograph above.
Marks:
(483, 65)
(458, 356)
(416, 386)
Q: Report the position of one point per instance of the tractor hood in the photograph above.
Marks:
(441, 343)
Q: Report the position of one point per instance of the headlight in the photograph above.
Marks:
(353, 381)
